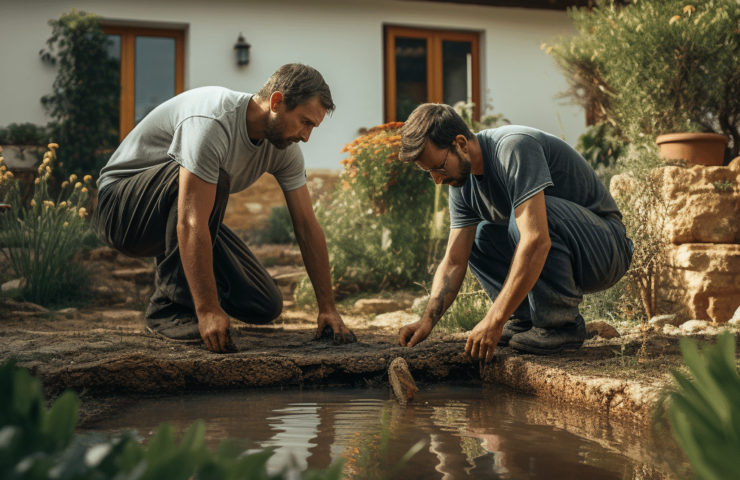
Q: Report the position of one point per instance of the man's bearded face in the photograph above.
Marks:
(463, 172)
(275, 133)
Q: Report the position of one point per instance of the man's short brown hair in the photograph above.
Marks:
(433, 122)
(299, 84)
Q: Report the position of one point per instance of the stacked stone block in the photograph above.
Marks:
(702, 277)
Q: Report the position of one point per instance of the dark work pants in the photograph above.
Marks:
(589, 254)
(137, 216)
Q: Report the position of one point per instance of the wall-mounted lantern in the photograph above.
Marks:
(242, 51)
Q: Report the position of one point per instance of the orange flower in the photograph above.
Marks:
(378, 151)
(394, 138)
(352, 173)
(345, 185)
(393, 156)
(365, 174)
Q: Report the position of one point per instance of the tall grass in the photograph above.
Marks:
(469, 307)
(43, 237)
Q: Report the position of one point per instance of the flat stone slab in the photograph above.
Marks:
(121, 314)
(110, 353)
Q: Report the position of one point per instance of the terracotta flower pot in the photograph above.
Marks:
(695, 148)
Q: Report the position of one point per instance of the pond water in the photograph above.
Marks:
(467, 432)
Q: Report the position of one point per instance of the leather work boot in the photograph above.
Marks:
(544, 341)
(511, 328)
(179, 330)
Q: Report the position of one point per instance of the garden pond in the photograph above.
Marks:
(459, 431)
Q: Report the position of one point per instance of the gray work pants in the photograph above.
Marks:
(589, 254)
(137, 216)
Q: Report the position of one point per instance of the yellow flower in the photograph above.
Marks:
(549, 50)
(33, 203)
(64, 184)
(84, 190)
(2, 168)
(78, 185)
(87, 178)
(48, 169)
(63, 204)
(543, 46)
(52, 145)
(37, 181)
(83, 212)
(689, 9)
(41, 168)
(8, 175)
(65, 225)
(72, 178)
(673, 19)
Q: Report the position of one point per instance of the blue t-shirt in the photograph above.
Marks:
(519, 162)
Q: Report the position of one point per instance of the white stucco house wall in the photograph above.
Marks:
(343, 39)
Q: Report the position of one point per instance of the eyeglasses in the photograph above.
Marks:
(441, 168)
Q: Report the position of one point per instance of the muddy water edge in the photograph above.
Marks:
(468, 431)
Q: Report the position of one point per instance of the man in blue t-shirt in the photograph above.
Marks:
(532, 220)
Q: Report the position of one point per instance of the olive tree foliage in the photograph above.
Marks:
(652, 67)
(85, 97)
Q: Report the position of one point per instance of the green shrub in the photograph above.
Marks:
(36, 444)
(45, 236)
(305, 296)
(655, 67)
(279, 228)
(378, 220)
(24, 134)
(704, 412)
(601, 146)
(85, 102)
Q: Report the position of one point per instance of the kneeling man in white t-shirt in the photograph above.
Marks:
(164, 192)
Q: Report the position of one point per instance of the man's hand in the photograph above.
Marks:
(413, 333)
(483, 340)
(212, 328)
(339, 331)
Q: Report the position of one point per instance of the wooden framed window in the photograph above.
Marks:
(437, 66)
(152, 69)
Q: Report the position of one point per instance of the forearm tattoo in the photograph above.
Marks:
(438, 304)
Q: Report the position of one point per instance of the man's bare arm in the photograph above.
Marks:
(447, 282)
(529, 259)
(312, 242)
(194, 206)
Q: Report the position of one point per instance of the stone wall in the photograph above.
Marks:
(702, 277)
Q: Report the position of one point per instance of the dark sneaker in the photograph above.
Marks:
(511, 328)
(544, 341)
(179, 330)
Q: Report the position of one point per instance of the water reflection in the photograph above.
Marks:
(468, 433)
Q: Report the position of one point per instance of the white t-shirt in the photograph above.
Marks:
(204, 130)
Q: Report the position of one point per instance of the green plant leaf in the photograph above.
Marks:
(59, 423)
